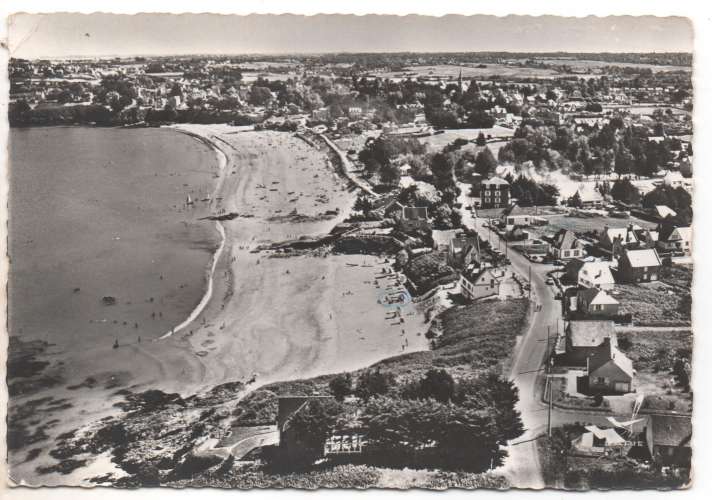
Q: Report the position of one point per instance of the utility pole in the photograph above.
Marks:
(530, 282)
(548, 380)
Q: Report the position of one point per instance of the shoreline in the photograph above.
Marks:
(223, 164)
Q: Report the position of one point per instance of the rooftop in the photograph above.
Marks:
(647, 257)
(671, 430)
(606, 352)
(591, 333)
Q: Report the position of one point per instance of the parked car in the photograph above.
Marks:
(549, 281)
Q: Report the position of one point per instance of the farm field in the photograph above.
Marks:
(452, 71)
(587, 63)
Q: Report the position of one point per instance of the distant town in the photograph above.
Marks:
(530, 215)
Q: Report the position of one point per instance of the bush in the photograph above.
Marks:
(373, 383)
(340, 386)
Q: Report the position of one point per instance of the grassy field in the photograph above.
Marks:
(439, 141)
(653, 304)
(654, 354)
(589, 64)
(473, 338)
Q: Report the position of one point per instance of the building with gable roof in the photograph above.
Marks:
(638, 266)
(675, 240)
(596, 302)
(566, 245)
(668, 438)
(590, 273)
(609, 370)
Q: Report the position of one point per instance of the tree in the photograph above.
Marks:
(340, 386)
(443, 171)
(623, 162)
(575, 201)
(390, 174)
(313, 424)
(480, 119)
(373, 383)
(481, 140)
(437, 384)
(259, 96)
(623, 190)
(485, 163)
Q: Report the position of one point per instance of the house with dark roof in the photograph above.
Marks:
(668, 438)
(463, 251)
(637, 266)
(609, 370)
(477, 281)
(596, 302)
(566, 245)
(675, 240)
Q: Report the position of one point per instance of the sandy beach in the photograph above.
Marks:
(265, 318)
(283, 318)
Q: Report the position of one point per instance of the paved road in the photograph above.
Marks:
(347, 167)
(522, 466)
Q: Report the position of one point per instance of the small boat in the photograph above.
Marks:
(189, 200)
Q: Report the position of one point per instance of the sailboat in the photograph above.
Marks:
(189, 200)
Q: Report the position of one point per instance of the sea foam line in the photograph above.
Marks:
(208, 293)
(222, 165)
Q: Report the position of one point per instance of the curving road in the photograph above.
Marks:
(522, 466)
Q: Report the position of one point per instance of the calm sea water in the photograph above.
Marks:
(101, 212)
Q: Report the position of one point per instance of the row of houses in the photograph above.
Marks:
(667, 239)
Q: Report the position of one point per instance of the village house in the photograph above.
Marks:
(590, 273)
(609, 370)
(595, 302)
(414, 218)
(477, 282)
(668, 438)
(581, 340)
(636, 266)
(494, 193)
(647, 238)
(463, 251)
(514, 215)
(566, 245)
(675, 240)
(589, 196)
(615, 239)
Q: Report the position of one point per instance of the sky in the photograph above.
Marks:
(93, 35)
